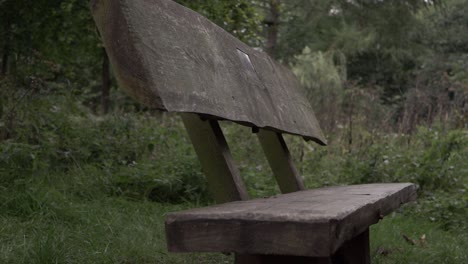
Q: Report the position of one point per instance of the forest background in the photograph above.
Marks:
(87, 174)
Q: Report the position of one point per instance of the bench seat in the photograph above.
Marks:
(314, 223)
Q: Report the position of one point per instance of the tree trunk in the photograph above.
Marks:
(6, 49)
(106, 81)
(272, 28)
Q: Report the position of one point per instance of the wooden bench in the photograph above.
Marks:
(173, 59)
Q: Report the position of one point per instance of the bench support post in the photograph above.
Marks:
(224, 180)
(355, 251)
(273, 259)
(226, 184)
(280, 161)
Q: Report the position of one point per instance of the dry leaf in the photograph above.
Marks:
(422, 240)
(383, 251)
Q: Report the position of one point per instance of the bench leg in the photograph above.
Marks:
(273, 259)
(355, 251)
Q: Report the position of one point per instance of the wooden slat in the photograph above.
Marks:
(171, 58)
(354, 251)
(280, 161)
(224, 180)
(313, 223)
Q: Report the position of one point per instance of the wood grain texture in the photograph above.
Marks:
(173, 59)
(313, 223)
(354, 251)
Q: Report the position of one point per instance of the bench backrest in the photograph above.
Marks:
(173, 59)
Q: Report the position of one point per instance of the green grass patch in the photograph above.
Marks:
(79, 188)
(109, 230)
(412, 239)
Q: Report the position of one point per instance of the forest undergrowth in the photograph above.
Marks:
(77, 187)
(87, 174)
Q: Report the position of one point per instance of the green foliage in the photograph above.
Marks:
(98, 209)
(73, 182)
(318, 72)
(323, 76)
(61, 34)
(432, 159)
(447, 27)
(47, 137)
(383, 41)
(445, 209)
(239, 17)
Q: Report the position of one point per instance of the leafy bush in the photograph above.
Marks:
(447, 209)
(53, 139)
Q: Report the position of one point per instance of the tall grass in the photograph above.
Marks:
(81, 188)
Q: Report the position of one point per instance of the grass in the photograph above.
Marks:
(76, 188)
(431, 243)
(86, 215)
(109, 230)
(116, 230)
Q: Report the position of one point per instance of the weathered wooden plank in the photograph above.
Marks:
(173, 59)
(354, 251)
(313, 223)
(280, 161)
(224, 180)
